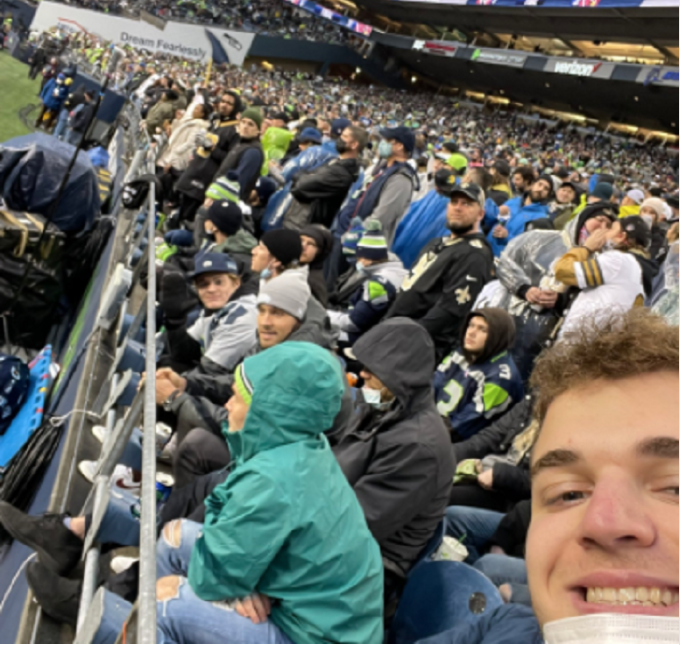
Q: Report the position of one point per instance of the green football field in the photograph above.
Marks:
(17, 92)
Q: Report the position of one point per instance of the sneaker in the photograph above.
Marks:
(58, 597)
(122, 477)
(100, 433)
(58, 548)
(122, 563)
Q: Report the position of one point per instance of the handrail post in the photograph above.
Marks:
(146, 632)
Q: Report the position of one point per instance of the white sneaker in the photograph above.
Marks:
(122, 477)
(122, 563)
(99, 433)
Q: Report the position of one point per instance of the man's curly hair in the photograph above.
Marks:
(633, 344)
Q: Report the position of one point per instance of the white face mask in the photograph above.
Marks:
(614, 628)
(373, 397)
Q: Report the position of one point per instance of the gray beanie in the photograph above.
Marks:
(289, 292)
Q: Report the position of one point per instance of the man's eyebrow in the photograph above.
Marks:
(555, 459)
(663, 447)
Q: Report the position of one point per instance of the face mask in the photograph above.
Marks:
(385, 149)
(609, 245)
(266, 274)
(614, 628)
(341, 146)
(373, 397)
(649, 220)
(360, 268)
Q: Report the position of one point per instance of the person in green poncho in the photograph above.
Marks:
(285, 532)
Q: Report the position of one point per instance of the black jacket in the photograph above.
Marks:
(512, 530)
(82, 117)
(319, 193)
(399, 462)
(205, 164)
(443, 286)
(511, 481)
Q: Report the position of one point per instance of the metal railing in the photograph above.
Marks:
(120, 422)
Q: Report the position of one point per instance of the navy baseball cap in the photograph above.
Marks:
(310, 134)
(401, 134)
(214, 263)
(339, 125)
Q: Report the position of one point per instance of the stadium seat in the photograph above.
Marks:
(439, 596)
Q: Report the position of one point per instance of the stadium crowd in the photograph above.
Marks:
(267, 17)
(387, 317)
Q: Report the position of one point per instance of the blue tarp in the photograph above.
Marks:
(32, 168)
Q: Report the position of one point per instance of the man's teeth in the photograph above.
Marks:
(643, 596)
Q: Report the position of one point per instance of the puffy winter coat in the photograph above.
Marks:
(424, 221)
(181, 144)
(54, 94)
(520, 215)
(286, 523)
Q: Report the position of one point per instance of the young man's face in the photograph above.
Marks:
(519, 182)
(261, 258)
(216, 289)
(604, 535)
(463, 211)
(309, 249)
(274, 325)
(476, 335)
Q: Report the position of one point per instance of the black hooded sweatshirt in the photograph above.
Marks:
(316, 281)
(399, 461)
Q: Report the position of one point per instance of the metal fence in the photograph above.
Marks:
(119, 421)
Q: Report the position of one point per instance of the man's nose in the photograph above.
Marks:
(616, 516)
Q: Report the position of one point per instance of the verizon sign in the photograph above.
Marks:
(576, 68)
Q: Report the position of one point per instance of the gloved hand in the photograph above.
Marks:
(202, 140)
(176, 299)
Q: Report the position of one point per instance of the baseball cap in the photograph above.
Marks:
(214, 263)
(401, 134)
(339, 125)
(310, 134)
(470, 190)
(636, 195)
(445, 180)
(636, 229)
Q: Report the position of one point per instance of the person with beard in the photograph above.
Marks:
(478, 382)
(526, 277)
(445, 281)
(316, 242)
(516, 213)
(613, 271)
(213, 147)
(318, 194)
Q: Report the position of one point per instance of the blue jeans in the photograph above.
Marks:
(173, 559)
(121, 521)
(62, 121)
(186, 618)
(72, 137)
(505, 569)
(477, 526)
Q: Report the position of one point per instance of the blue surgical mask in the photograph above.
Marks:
(266, 274)
(373, 397)
(385, 149)
(360, 267)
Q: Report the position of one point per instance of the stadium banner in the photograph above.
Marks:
(499, 57)
(579, 67)
(660, 75)
(584, 4)
(195, 42)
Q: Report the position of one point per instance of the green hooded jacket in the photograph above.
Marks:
(286, 523)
